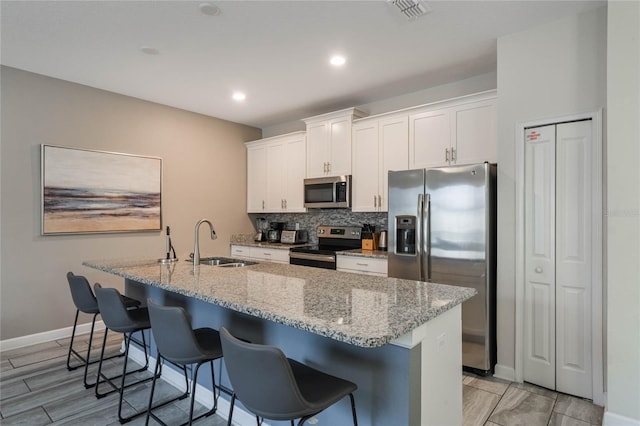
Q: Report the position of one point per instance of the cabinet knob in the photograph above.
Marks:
(453, 155)
(380, 201)
(538, 270)
(446, 155)
(375, 201)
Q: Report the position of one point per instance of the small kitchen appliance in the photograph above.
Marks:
(293, 237)
(262, 226)
(382, 241)
(332, 192)
(331, 239)
(273, 235)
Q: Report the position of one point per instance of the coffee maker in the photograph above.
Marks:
(262, 227)
(273, 235)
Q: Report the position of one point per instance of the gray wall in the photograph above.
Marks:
(622, 220)
(204, 177)
(548, 71)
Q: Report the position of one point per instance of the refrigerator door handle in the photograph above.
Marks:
(419, 235)
(426, 226)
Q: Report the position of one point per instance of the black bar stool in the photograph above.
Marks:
(181, 345)
(274, 387)
(86, 302)
(118, 318)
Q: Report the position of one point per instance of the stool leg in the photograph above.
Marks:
(153, 387)
(73, 335)
(353, 410)
(233, 400)
(98, 381)
(87, 360)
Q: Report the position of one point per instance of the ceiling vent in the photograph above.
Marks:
(411, 9)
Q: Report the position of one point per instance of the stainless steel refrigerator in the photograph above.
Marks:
(442, 229)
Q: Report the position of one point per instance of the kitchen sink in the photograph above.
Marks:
(226, 262)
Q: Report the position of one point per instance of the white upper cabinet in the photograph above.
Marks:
(256, 172)
(457, 132)
(275, 174)
(379, 145)
(329, 143)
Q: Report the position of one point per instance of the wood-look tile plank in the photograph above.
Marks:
(520, 407)
(5, 365)
(477, 405)
(579, 409)
(36, 357)
(535, 389)
(558, 419)
(29, 350)
(489, 384)
(34, 417)
(13, 388)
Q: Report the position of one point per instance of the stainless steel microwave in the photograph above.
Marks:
(328, 192)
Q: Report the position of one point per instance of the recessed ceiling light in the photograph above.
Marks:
(337, 60)
(209, 9)
(149, 50)
(239, 96)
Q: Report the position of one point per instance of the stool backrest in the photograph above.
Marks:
(81, 293)
(262, 378)
(112, 308)
(172, 333)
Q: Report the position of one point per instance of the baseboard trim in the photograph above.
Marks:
(203, 395)
(506, 373)
(612, 419)
(47, 336)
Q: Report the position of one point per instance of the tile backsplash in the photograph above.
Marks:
(315, 217)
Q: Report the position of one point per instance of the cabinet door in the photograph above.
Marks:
(256, 184)
(317, 149)
(475, 139)
(275, 176)
(340, 147)
(295, 174)
(364, 195)
(429, 139)
(394, 153)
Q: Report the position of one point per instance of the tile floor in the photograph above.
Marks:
(36, 389)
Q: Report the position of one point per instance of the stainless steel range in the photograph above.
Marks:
(331, 239)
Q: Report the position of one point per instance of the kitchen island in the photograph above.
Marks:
(399, 340)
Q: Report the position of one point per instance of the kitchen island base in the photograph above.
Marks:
(415, 380)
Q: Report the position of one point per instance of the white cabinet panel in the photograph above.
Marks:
(461, 133)
(276, 171)
(329, 143)
(378, 146)
(362, 265)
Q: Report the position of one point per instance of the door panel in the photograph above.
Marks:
(539, 362)
(573, 259)
(558, 223)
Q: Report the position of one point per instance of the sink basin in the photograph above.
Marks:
(225, 262)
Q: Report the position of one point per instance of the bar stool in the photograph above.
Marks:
(118, 318)
(274, 387)
(181, 345)
(86, 302)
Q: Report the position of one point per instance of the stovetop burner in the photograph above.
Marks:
(331, 239)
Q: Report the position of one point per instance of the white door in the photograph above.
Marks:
(558, 280)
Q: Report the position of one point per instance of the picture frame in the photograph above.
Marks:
(85, 191)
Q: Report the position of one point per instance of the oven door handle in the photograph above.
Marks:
(309, 256)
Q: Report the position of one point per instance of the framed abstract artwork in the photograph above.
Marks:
(84, 191)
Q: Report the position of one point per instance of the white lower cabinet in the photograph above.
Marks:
(261, 253)
(362, 265)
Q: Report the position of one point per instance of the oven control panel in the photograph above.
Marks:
(343, 232)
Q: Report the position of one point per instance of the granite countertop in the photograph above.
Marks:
(361, 310)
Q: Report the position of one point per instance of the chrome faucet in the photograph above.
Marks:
(196, 240)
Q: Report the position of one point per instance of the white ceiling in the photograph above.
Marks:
(275, 51)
